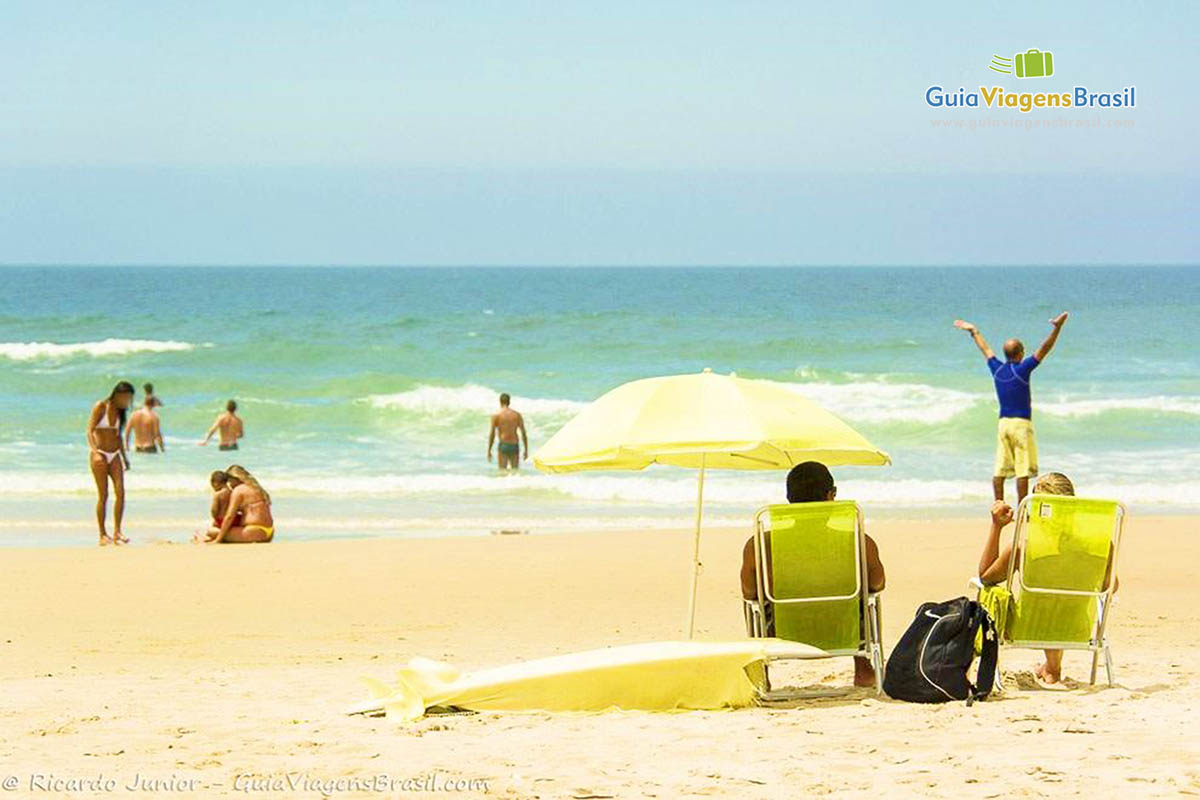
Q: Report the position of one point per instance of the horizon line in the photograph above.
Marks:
(543, 265)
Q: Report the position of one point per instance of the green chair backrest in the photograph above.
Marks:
(813, 552)
(1066, 547)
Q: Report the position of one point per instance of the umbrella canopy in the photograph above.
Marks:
(703, 421)
(725, 421)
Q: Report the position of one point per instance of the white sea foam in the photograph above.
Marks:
(31, 351)
(860, 401)
(1065, 407)
(880, 402)
(669, 490)
(471, 399)
(865, 400)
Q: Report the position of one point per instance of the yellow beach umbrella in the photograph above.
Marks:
(703, 421)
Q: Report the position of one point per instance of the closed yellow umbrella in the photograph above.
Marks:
(701, 421)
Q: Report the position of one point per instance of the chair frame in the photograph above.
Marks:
(870, 606)
(1097, 644)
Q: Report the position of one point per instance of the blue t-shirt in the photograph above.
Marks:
(1012, 385)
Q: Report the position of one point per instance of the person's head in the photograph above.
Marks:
(810, 482)
(150, 401)
(231, 406)
(505, 400)
(121, 398)
(148, 388)
(122, 395)
(238, 475)
(1014, 350)
(218, 480)
(1054, 483)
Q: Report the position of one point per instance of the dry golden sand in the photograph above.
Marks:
(209, 663)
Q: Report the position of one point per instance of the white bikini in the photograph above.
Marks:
(112, 426)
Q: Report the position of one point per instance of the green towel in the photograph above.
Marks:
(997, 601)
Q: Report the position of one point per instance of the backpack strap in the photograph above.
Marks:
(989, 653)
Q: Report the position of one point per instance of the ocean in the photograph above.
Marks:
(366, 391)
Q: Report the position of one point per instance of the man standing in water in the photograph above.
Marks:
(507, 423)
(145, 427)
(230, 426)
(1016, 445)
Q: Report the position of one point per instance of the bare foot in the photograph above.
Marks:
(105, 540)
(119, 538)
(1043, 672)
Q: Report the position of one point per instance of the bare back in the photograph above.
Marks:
(144, 425)
(507, 424)
(229, 426)
(254, 507)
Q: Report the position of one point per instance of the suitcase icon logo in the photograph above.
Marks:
(1033, 63)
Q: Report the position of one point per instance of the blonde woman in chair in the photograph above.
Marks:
(996, 558)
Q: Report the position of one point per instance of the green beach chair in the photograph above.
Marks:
(1056, 597)
(816, 590)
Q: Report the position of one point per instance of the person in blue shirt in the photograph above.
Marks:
(1016, 444)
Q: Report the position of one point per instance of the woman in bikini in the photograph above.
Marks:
(248, 516)
(106, 456)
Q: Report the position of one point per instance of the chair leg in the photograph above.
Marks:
(1095, 663)
(998, 682)
(877, 658)
(1108, 666)
(876, 645)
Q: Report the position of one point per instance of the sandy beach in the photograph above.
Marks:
(225, 671)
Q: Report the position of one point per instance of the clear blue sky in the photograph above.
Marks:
(616, 133)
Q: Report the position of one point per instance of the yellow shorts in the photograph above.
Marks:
(1016, 449)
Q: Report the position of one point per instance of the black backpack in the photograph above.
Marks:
(930, 662)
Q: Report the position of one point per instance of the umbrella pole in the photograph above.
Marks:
(691, 621)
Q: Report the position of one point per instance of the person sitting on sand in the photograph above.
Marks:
(230, 426)
(995, 560)
(811, 482)
(219, 481)
(145, 428)
(247, 517)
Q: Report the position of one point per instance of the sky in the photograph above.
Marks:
(607, 133)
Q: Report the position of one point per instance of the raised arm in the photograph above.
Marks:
(993, 562)
(976, 336)
(1048, 345)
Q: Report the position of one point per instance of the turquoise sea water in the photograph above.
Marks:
(366, 391)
